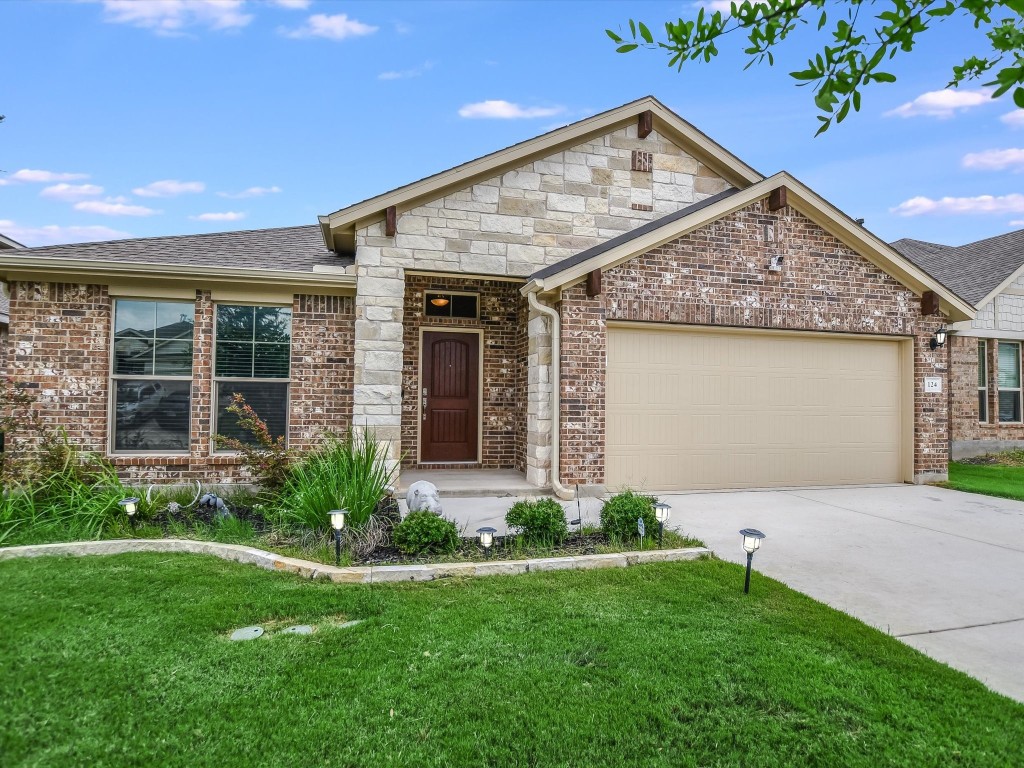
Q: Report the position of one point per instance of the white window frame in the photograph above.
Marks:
(215, 393)
(983, 384)
(113, 378)
(1017, 389)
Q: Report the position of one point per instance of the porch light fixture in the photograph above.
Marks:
(130, 507)
(662, 512)
(486, 535)
(337, 523)
(751, 543)
(440, 301)
(939, 339)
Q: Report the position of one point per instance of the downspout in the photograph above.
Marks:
(556, 376)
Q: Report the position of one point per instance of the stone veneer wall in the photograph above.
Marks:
(717, 276)
(969, 437)
(503, 321)
(511, 224)
(60, 339)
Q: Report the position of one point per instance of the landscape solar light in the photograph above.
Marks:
(130, 507)
(337, 523)
(662, 512)
(751, 543)
(486, 535)
(939, 339)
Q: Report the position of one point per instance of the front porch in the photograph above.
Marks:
(463, 483)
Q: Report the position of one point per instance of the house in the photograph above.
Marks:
(6, 243)
(620, 301)
(985, 408)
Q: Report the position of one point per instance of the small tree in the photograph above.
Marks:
(265, 456)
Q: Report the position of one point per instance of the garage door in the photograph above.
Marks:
(691, 409)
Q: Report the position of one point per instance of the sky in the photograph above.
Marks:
(137, 118)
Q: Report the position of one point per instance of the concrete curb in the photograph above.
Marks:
(361, 574)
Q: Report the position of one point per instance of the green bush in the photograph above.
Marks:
(620, 513)
(348, 472)
(538, 522)
(422, 532)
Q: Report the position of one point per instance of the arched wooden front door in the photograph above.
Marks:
(450, 396)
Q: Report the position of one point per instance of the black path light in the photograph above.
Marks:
(337, 523)
(486, 535)
(662, 512)
(130, 507)
(751, 543)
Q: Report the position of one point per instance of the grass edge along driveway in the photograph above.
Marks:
(124, 661)
(989, 479)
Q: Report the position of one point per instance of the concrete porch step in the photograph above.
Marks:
(463, 483)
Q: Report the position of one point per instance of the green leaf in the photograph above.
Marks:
(613, 36)
(1018, 97)
(626, 48)
(632, 28)
(645, 33)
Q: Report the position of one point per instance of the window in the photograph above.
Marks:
(1009, 381)
(151, 375)
(451, 305)
(253, 357)
(982, 381)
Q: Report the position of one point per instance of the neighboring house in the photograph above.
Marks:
(985, 353)
(710, 327)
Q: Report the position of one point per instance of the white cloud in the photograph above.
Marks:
(29, 175)
(916, 206)
(995, 160)
(172, 17)
(70, 192)
(114, 207)
(725, 6)
(53, 234)
(336, 27)
(1014, 119)
(505, 110)
(250, 192)
(294, 5)
(169, 188)
(403, 74)
(942, 104)
(1016, 223)
(225, 216)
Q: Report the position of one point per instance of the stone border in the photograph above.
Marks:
(358, 575)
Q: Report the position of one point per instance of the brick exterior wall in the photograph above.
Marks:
(717, 276)
(503, 320)
(970, 437)
(61, 346)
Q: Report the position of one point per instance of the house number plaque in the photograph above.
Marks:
(932, 383)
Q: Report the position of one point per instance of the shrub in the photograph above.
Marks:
(422, 532)
(620, 513)
(538, 522)
(265, 456)
(348, 472)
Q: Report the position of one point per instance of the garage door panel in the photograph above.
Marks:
(702, 410)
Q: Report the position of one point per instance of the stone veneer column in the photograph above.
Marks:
(538, 401)
(377, 390)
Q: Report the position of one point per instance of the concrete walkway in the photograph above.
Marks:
(940, 569)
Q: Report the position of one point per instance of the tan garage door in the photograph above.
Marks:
(691, 409)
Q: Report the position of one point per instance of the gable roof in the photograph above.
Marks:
(262, 255)
(976, 271)
(339, 227)
(6, 242)
(624, 247)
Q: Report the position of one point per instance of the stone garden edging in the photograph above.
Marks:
(359, 574)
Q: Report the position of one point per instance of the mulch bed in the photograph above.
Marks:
(505, 548)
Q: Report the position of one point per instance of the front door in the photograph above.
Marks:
(449, 397)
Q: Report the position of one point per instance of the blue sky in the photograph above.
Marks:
(158, 117)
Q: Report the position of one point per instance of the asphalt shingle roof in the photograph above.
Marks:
(971, 271)
(292, 249)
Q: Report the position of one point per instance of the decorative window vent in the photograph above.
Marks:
(643, 161)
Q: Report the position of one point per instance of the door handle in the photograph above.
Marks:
(424, 404)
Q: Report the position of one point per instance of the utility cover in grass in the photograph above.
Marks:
(298, 629)
(247, 633)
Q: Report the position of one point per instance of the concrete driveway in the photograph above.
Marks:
(941, 570)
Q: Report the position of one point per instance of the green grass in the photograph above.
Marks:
(123, 661)
(989, 479)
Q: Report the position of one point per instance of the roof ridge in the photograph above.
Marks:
(29, 250)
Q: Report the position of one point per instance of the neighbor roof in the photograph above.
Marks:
(660, 231)
(6, 242)
(338, 227)
(976, 271)
(295, 249)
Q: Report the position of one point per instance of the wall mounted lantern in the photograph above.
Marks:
(751, 543)
(939, 339)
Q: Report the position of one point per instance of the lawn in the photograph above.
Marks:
(124, 661)
(989, 479)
